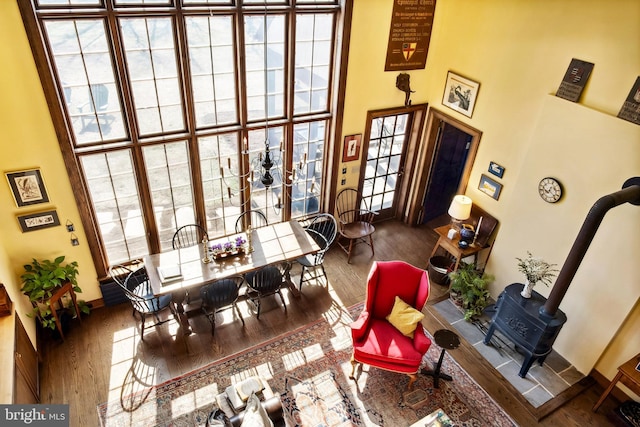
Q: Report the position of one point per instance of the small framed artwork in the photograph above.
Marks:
(351, 150)
(37, 221)
(496, 169)
(460, 94)
(490, 187)
(27, 187)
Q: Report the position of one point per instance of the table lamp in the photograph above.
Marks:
(459, 210)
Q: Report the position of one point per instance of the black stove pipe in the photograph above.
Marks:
(630, 193)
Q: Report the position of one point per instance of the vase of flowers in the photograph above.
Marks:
(535, 270)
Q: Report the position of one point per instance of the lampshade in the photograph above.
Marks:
(460, 208)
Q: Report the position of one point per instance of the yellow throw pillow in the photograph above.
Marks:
(404, 317)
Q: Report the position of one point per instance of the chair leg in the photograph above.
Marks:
(349, 253)
(301, 278)
(353, 368)
(239, 313)
(282, 298)
(142, 326)
(412, 379)
(373, 252)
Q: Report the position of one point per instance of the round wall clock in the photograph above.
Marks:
(550, 189)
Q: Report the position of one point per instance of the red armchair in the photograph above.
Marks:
(376, 342)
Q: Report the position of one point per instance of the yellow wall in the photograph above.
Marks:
(29, 141)
(518, 50)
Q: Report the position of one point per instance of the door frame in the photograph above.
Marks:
(426, 158)
(411, 146)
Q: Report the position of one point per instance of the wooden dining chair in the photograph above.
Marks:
(355, 221)
(221, 295)
(138, 290)
(264, 282)
(189, 235)
(255, 219)
(323, 229)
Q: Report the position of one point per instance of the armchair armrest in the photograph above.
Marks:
(359, 327)
(420, 340)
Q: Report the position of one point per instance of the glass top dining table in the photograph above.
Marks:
(272, 244)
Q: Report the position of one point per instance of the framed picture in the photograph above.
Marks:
(460, 94)
(351, 150)
(490, 187)
(27, 187)
(496, 169)
(37, 221)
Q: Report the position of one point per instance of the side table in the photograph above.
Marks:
(55, 299)
(627, 375)
(451, 246)
(447, 340)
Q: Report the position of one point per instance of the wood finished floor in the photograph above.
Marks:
(99, 357)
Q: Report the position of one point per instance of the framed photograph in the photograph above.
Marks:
(37, 221)
(351, 150)
(496, 169)
(460, 94)
(27, 187)
(490, 187)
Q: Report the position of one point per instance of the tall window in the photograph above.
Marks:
(171, 106)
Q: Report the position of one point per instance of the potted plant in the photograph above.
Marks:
(469, 289)
(535, 270)
(42, 279)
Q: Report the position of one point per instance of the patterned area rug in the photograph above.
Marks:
(309, 368)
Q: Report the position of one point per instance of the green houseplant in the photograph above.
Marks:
(41, 279)
(469, 289)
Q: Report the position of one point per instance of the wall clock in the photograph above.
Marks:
(550, 189)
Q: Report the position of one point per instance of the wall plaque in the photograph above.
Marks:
(631, 108)
(410, 33)
(574, 80)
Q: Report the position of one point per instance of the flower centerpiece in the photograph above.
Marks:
(535, 270)
(240, 241)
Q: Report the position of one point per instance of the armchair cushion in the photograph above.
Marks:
(404, 317)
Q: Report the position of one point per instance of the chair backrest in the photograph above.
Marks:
(221, 292)
(189, 235)
(119, 273)
(350, 206)
(255, 219)
(134, 284)
(388, 279)
(326, 225)
(266, 280)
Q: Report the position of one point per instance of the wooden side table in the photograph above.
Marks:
(627, 375)
(451, 246)
(55, 299)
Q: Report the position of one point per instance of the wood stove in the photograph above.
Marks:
(518, 318)
(533, 324)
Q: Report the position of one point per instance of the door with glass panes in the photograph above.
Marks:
(385, 147)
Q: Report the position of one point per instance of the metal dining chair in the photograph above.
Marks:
(264, 282)
(323, 229)
(137, 289)
(221, 295)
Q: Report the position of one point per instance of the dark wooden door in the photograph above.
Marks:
(452, 150)
(26, 386)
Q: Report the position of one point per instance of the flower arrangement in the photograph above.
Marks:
(536, 270)
(240, 241)
(229, 247)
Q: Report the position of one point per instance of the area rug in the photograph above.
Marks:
(309, 368)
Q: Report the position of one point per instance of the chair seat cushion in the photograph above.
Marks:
(151, 305)
(357, 230)
(307, 261)
(385, 347)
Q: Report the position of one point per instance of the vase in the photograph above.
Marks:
(526, 290)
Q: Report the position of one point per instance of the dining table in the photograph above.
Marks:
(192, 268)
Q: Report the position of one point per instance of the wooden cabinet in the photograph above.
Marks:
(26, 385)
